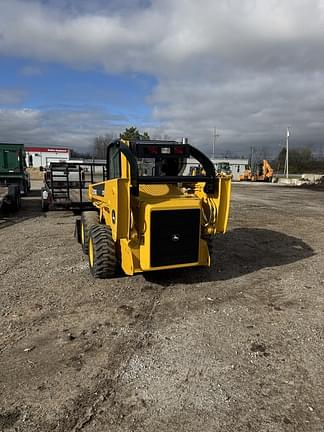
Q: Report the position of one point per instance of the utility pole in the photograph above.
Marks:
(252, 160)
(287, 153)
(215, 136)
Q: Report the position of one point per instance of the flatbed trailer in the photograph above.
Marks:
(66, 185)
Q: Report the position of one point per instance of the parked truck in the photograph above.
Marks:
(14, 179)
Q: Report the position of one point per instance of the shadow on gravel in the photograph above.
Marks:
(30, 208)
(239, 252)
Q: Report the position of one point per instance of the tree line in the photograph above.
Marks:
(301, 161)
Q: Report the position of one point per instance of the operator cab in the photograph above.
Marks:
(158, 159)
(159, 162)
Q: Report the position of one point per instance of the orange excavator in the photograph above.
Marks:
(262, 172)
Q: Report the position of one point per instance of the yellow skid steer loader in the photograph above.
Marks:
(148, 215)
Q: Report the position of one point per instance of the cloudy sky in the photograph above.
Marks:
(74, 69)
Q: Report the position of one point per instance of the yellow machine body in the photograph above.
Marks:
(139, 223)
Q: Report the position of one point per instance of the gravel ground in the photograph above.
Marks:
(238, 347)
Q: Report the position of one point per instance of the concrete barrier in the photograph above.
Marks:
(304, 179)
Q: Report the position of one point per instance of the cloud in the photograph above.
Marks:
(249, 68)
(30, 70)
(247, 109)
(62, 126)
(11, 96)
(242, 33)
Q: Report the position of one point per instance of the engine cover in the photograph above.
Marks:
(175, 236)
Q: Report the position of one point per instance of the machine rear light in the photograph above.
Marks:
(153, 150)
(179, 150)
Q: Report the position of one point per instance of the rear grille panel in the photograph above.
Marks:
(174, 237)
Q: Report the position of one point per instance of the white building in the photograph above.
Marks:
(236, 166)
(43, 156)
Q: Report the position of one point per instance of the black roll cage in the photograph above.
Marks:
(136, 179)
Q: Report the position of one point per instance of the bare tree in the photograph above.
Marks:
(263, 152)
(100, 145)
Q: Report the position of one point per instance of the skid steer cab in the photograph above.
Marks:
(148, 215)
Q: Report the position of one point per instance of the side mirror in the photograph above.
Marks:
(41, 168)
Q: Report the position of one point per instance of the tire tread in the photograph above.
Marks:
(105, 261)
(88, 219)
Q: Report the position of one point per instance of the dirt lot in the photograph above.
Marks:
(235, 348)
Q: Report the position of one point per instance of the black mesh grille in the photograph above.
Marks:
(174, 237)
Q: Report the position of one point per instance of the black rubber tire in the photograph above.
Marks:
(88, 219)
(14, 195)
(45, 205)
(18, 202)
(104, 263)
(25, 188)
